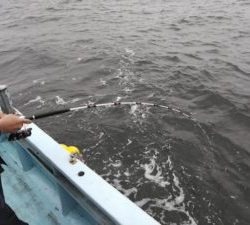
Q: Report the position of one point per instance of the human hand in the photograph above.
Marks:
(10, 123)
(2, 114)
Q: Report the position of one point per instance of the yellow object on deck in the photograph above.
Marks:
(71, 149)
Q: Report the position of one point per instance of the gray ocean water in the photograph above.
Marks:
(192, 55)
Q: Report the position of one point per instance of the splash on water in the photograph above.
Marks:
(153, 172)
(60, 101)
(37, 99)
(103, 82)
(118, 98)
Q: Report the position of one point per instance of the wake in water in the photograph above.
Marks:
(135, 148)
(133, 151)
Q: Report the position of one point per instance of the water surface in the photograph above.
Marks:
(192, 55)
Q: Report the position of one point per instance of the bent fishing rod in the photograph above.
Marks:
(117, 104)
(93, 105)
(110, 104)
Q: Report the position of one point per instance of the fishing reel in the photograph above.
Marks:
(20, 134)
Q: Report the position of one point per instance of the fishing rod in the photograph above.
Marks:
(94, 105)
(23, 133)
(26, 133)
(117, 104)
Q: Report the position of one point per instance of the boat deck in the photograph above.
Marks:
(35, 199)
(33, 194)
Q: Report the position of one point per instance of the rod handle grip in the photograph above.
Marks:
(47, 114)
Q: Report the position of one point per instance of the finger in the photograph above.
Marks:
(24, 120)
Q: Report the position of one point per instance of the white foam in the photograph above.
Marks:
(119, 187)
(99, 142)
(129, 142)
(169, 162)
(116, 164)
(42, 82)
(151, 95)
(103, 82)
(127, 173)
(157, 178)
(172, 205)
(60, 101)
(119, 73)
(75, 100)
(130, 51)
(127, 89)
(118, 98)
(179, 199)
(101, 135)
(133, 109)
(142, 202)
(37, 99)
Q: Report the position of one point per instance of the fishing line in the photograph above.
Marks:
(117, 104)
